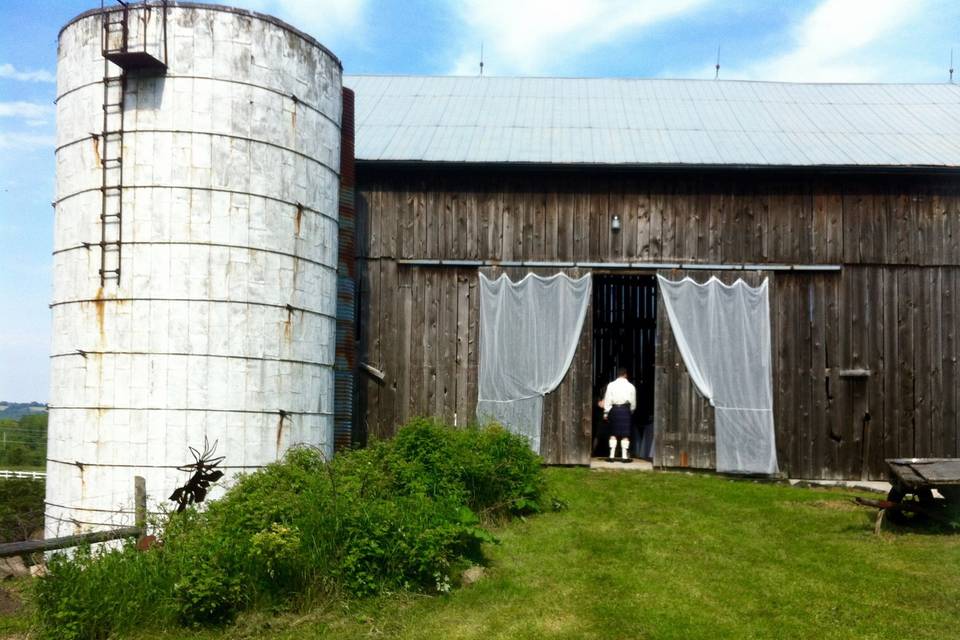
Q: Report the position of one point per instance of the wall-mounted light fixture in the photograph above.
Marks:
(615, 224)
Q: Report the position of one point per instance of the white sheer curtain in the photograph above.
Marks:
(529, 332)
(723, 332)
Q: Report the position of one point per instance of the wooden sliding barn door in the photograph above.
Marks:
(834, 344)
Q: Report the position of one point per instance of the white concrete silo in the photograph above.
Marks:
(207, 194)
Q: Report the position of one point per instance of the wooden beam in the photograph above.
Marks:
(27, 547)
(539, 264)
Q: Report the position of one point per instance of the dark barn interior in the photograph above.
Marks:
(624, 335)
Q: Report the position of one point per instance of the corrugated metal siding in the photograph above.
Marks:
(655, 122)
(345, 365)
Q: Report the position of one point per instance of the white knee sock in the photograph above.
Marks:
(613, 447)
(625, 445)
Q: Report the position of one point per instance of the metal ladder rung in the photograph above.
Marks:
(115, 41)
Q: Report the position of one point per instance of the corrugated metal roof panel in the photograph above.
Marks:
(654, 122)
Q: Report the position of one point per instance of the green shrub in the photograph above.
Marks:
(505, 477)
(404, 514)
(493, 471)
(277, 549)
(207, 594)
(21, 508)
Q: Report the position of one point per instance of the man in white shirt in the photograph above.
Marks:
(619, 403)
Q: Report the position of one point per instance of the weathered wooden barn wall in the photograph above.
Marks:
(421, 327)
(891, 310)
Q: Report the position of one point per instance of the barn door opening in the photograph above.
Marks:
(624, 335)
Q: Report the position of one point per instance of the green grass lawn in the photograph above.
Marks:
(666, 555)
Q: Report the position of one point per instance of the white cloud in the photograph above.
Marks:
(33, 113)
(17, 141)
(9, 71)
(326, 20)
(535, 36)
(835, 42)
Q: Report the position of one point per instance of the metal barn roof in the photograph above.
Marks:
(655, 122)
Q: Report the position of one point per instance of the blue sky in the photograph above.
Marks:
(802, 40)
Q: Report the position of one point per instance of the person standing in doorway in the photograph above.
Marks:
(619, 403)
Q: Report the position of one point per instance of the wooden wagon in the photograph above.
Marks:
(913, 483)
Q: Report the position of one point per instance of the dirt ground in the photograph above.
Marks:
(9, 602)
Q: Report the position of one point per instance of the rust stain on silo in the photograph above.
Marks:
(288, 324)
(98, 304)
(83, 482)
(298, 219)
(280, 431)
(296, 270)
(101, 410)
(96, 148)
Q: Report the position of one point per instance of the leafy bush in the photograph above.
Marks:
(207, 594)
(21, 508)
(493, 471)
(405, 514)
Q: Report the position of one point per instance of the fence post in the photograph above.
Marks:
(140, 500)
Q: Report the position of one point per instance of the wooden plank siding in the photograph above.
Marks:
(891, 310)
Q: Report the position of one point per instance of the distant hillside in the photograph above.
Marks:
(14, 410)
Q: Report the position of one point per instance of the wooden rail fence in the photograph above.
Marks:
(27, 547)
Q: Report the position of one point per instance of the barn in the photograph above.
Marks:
(845, 199)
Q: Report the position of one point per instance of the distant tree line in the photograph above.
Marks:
(14, 410)
(23, 442)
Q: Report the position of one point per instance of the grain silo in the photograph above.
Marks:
(195, 250)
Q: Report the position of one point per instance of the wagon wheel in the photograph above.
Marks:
(922, 497)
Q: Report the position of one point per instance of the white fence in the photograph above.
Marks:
(28, 475)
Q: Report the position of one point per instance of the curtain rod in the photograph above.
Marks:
(619, 265)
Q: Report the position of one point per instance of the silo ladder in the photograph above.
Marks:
(111, 172)
(124, 50)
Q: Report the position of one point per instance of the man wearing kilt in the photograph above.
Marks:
(619, 403)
